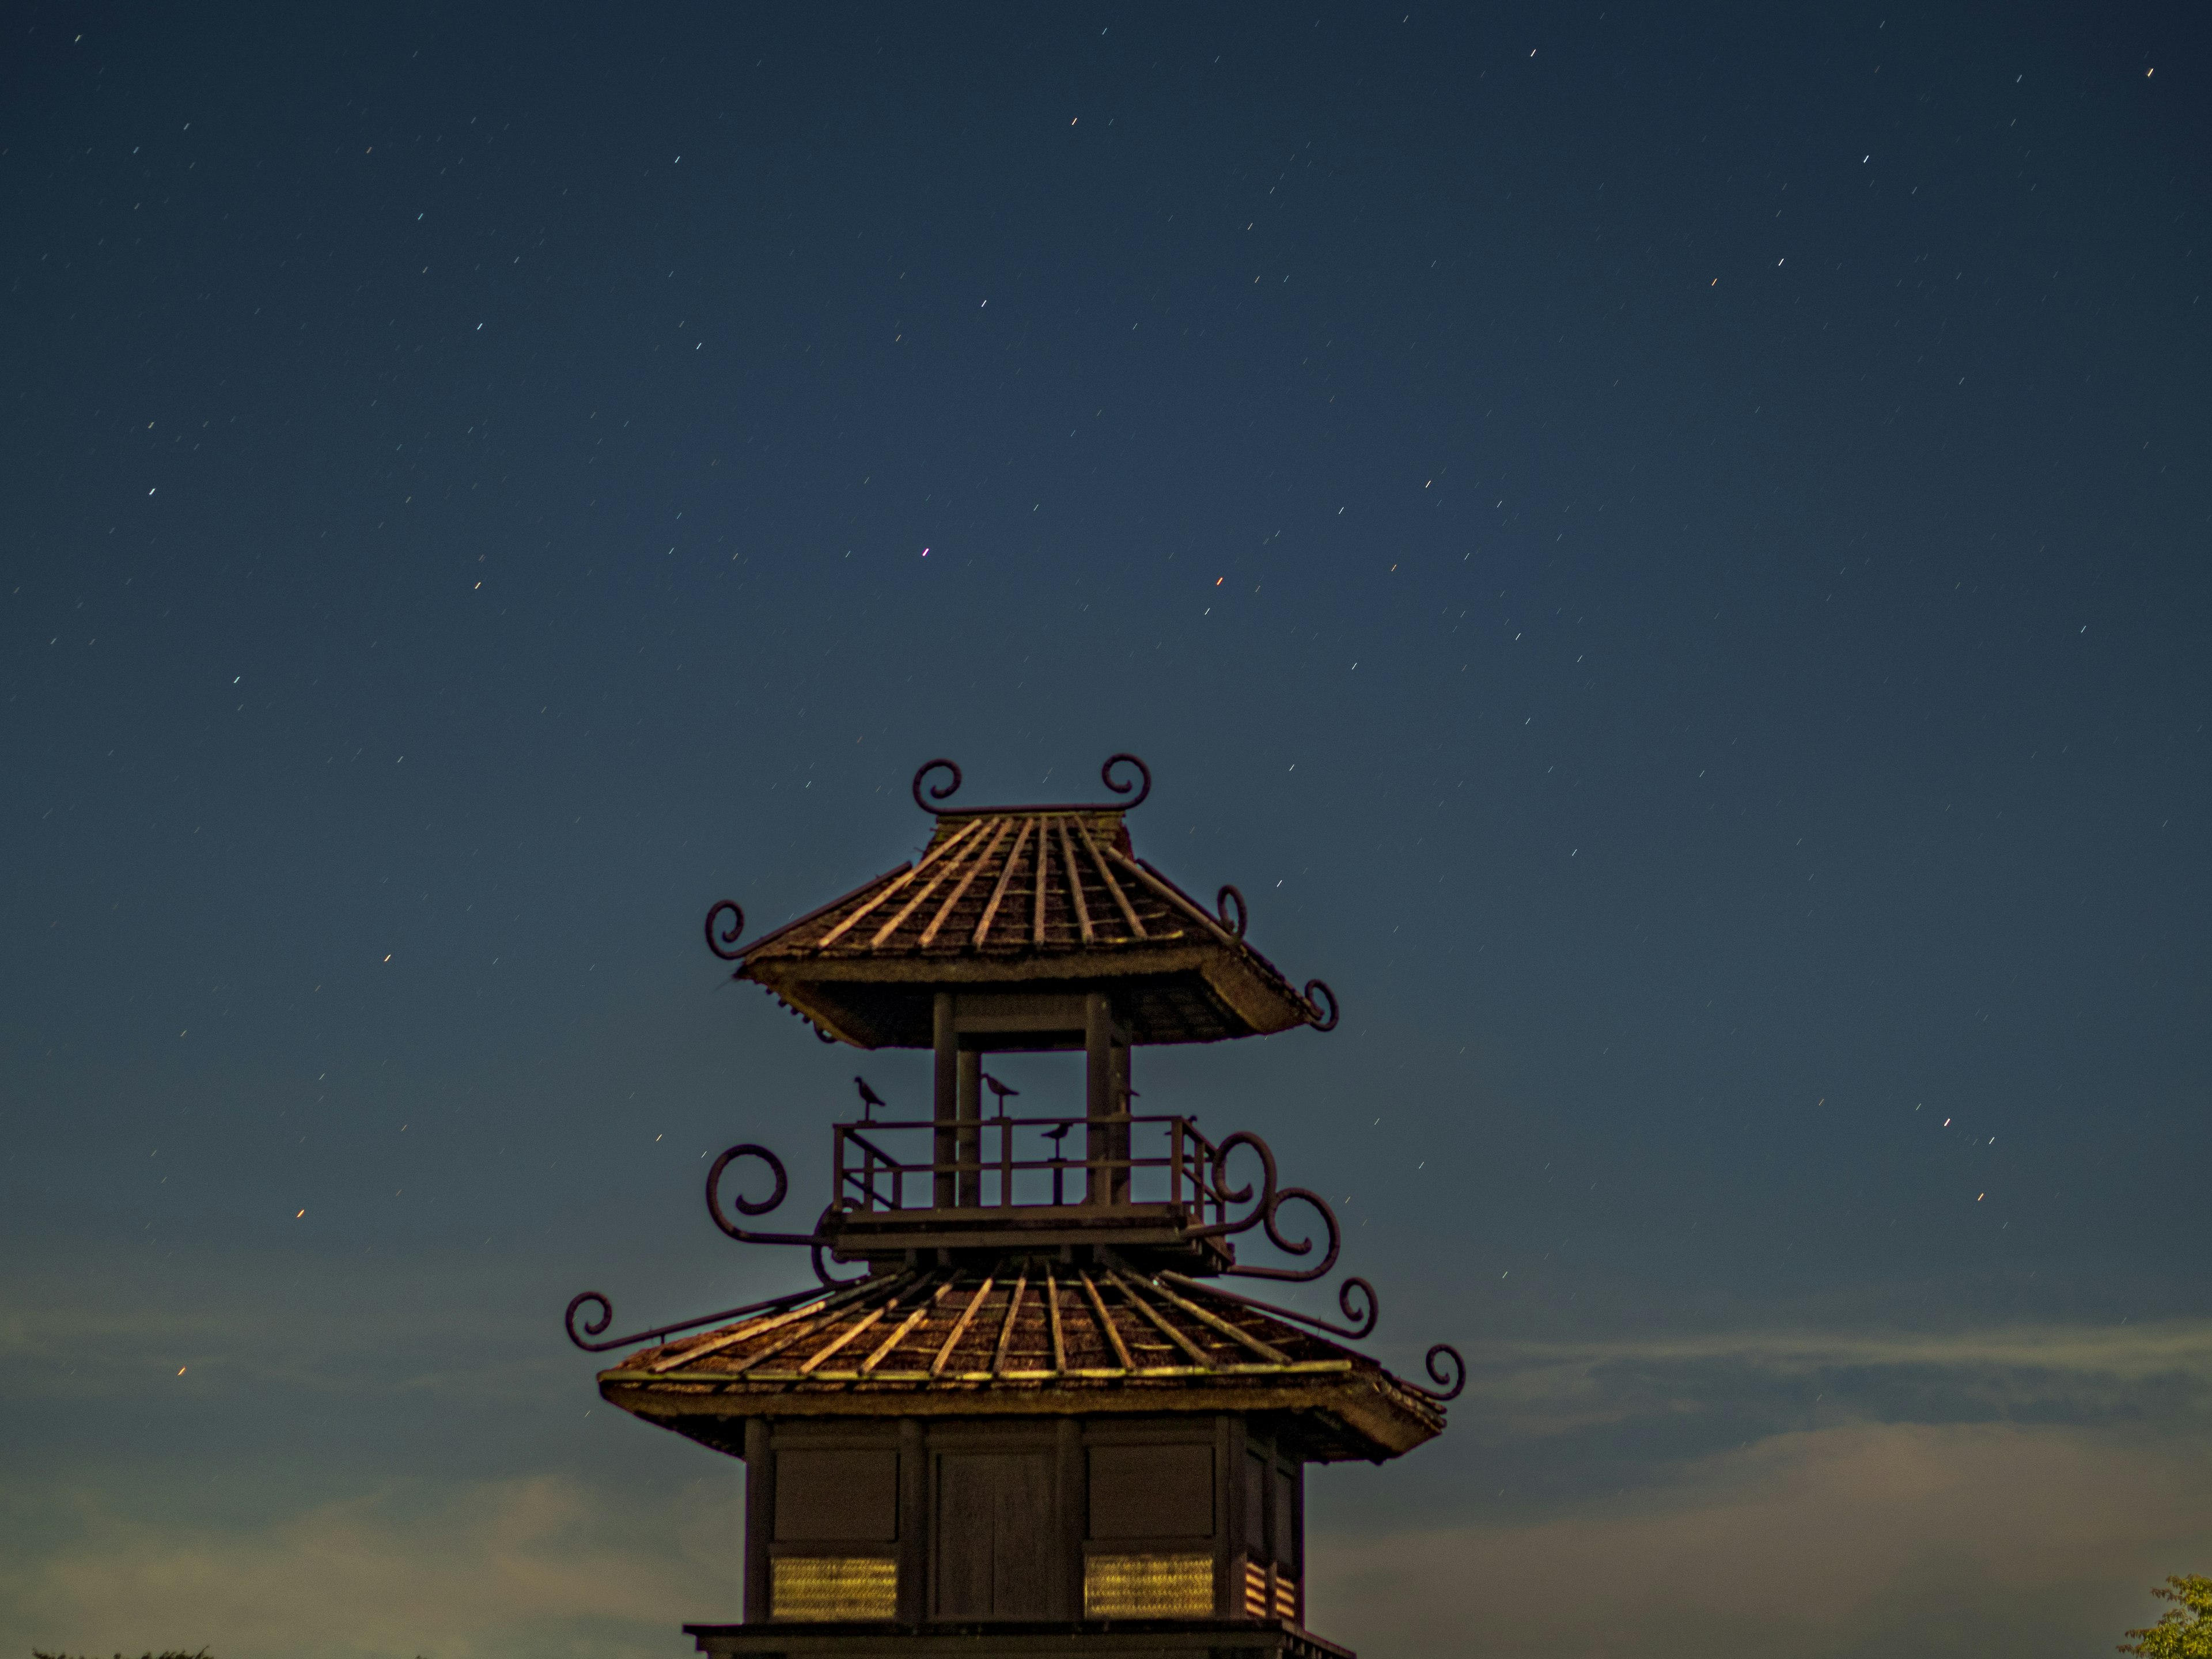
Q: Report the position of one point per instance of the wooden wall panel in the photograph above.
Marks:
(1152, 1491)
(840, 1497)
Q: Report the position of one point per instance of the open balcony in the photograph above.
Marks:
(1149, 1182)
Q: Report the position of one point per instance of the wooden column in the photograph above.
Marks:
(944, 1140)
(1098, 1102)
(1072, 1475)
(1118, 1138)
(970, 1138)
(760, 1517)
(912, 1523)
(1228, 1493)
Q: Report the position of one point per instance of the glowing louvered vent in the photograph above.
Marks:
(834, 1587)
(1255, 1590)
(1148, 1586)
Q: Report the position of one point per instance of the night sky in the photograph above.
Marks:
(1667, 555)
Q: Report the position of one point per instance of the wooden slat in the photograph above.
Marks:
(951, 842)
(797, 922)
(851, 1332)
(1075, 887)
(1052, 1308)
(1174, 895)
(1266, 1350)
(1044, 878)
(920, 1313)
(974, 868)
(1160, 1320)
(1006, 880)
(761, 1327)
(1006, 1330)
(960, 1328)
(974, 833)
(1128, 910)
(1106, 1324)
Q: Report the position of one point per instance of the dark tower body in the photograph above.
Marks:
(1038, 1420)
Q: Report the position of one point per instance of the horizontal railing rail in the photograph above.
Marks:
(1024, 1162)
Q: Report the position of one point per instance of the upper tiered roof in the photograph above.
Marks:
(1035, 899)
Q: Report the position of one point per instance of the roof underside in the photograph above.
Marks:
(1023, 1341)
(1035, 901)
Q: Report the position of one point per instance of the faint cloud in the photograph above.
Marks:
(1871, 1540)
(536, 1566)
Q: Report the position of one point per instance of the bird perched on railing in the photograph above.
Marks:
(1000, 1090)
(869, 1100)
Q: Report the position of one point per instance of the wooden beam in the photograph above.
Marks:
(1128, 910)
(945, 865)
(952, 842)
(1052, 1308)
(822, 1353)
(960, 1328)
(1264, 1350)
(1006, 880)
(1006, 1329)
(1165, 1329)
(920, 1313)
(1106, 1324)
(1043, 877)
(960, 887)
(1075, 886)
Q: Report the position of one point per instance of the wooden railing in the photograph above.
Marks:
(1017, 1162)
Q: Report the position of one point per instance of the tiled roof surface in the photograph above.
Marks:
(1009, 883)
(1006, 1340)
(1028, 894)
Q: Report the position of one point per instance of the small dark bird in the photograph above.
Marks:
(869, 1100)
(1058, 1135)
(1000, 1090)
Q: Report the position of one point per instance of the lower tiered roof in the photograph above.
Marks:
(1022, 1341)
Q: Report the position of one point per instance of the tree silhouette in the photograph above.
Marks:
(2178, 1635)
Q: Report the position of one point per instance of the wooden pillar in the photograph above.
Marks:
(1098, 1102)
(970, 1138)
(944, 1146)
(1118, 1137)
(1072, 1478)
(912, 1523)
(760, 1517)
(1228, 1491)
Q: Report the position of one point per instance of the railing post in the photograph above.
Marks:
(1007, 1162)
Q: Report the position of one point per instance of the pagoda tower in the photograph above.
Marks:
(1019, 1411)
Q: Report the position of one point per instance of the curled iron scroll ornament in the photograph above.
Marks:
(937, 792)
(1450, 1381)
(814, 1240)
(731, 934)
(1221, 901)
(1266, 1206)
(1313, 1008)
(1144, 773)
(1223, 1193)
(594, 1327)
(1301, 1247)
(1355, 1297)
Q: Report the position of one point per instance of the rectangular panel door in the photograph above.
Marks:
(994, 1536)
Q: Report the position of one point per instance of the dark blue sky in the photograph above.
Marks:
(1666, 554)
